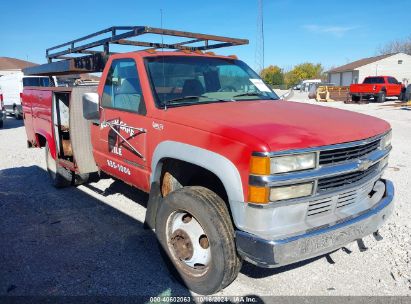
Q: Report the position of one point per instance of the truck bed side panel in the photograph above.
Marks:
(37, 109)
(365, 88)
(38, 121)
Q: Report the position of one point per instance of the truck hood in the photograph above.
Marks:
(278, 125)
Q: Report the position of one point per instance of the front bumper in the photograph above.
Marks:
(266, 253)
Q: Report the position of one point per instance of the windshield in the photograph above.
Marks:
(180, 81)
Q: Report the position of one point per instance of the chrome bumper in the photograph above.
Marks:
(265, 253)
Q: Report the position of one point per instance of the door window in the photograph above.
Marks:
(392, 80)
(122, 88)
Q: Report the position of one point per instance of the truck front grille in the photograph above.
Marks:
(328, 157)
(329, 183)
(339, 202)
(322, 206)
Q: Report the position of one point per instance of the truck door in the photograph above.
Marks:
(123, 125)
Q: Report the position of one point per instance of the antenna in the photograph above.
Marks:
(259, 45)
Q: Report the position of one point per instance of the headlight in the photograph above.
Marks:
(289, 163)
(282, 164)
(264, 195)
(386, 141)
(289, 192)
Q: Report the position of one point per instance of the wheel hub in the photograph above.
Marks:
(188, 241)
(183, 247)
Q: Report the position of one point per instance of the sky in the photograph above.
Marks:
(328, 32)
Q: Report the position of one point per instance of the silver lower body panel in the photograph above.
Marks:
(280, 252)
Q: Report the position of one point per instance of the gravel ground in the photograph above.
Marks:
(90, 240)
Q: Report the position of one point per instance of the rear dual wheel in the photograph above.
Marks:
(17, 113)
(355, 98)
(196, 238)
(59, 176)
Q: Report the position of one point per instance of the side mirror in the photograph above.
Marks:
(91, 107)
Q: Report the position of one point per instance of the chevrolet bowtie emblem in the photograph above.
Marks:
(364, 164)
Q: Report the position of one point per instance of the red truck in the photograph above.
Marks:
(233, 173)
(378, 87)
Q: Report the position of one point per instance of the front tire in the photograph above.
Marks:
(59, 176)
(196, 238)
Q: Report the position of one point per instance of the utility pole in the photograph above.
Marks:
(259, 45)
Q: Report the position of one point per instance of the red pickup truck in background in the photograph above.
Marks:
(232, 172)
(379, 87)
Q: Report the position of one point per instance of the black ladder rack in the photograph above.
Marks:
(77, 56)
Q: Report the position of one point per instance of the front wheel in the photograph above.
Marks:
(196, 238)
(59, 176)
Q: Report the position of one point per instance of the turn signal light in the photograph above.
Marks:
(258, 195)
(260, 165)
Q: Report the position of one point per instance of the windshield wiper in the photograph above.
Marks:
(253, 94)
(173, 102)
(183, 98)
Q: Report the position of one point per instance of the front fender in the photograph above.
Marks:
(222, 167)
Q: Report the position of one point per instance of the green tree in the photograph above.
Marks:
(272, 75)
(303, 71)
